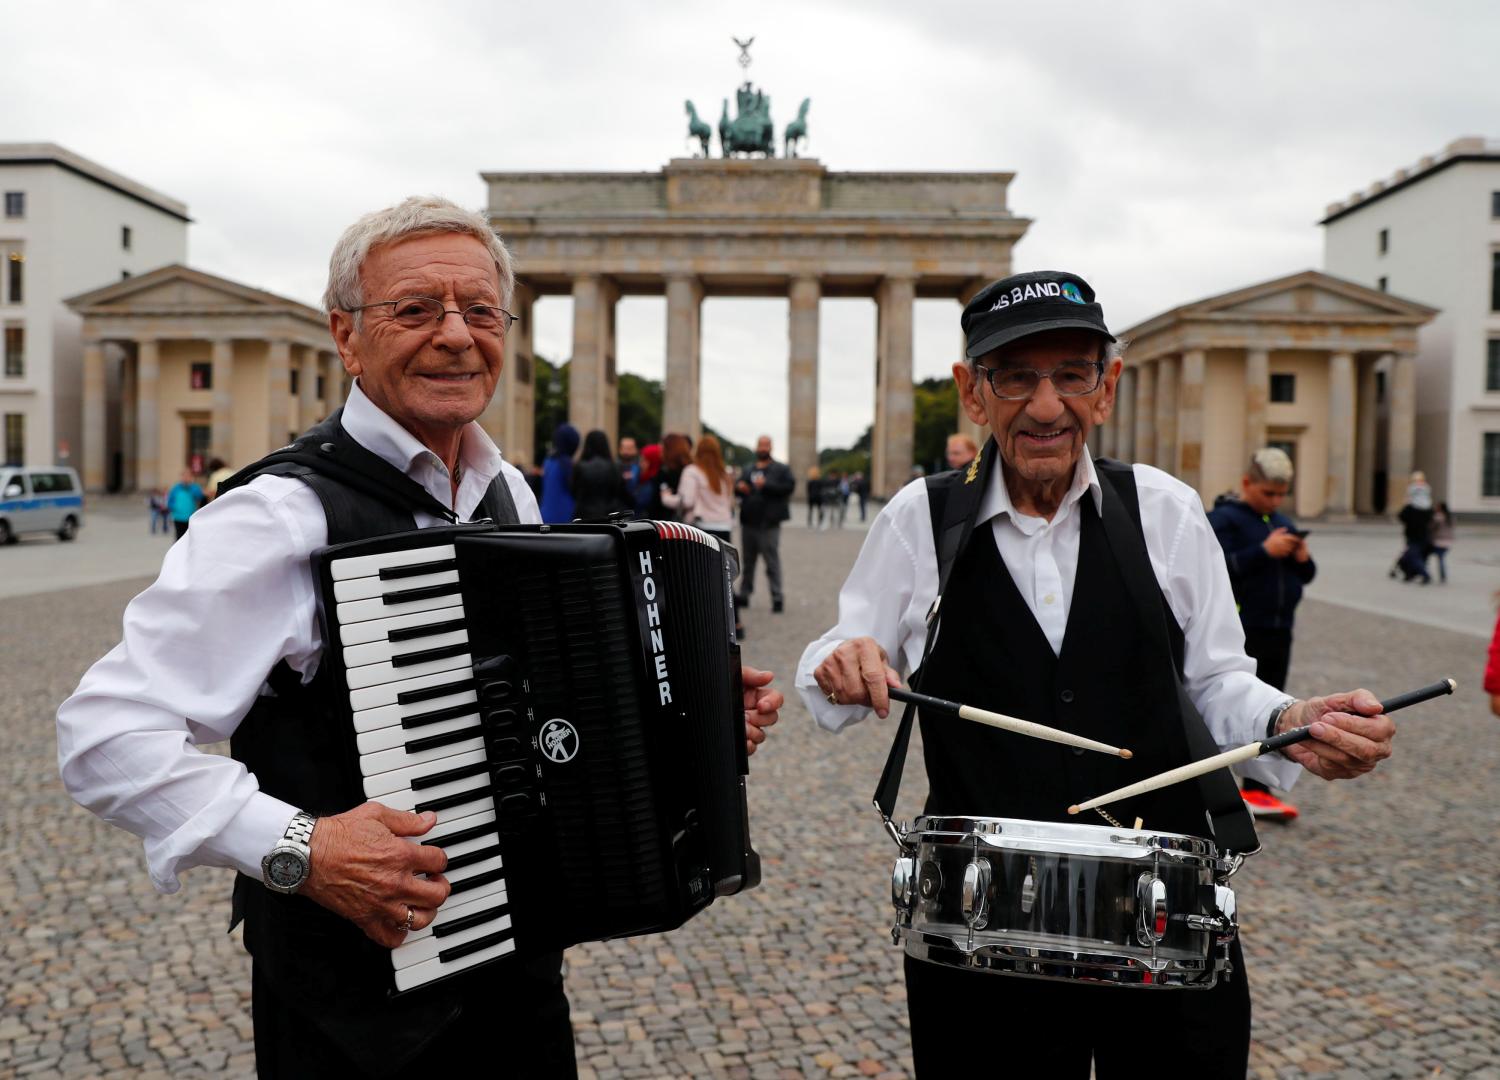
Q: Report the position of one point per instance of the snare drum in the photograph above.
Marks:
(1056, 900)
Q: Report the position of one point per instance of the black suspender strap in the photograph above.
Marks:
(1233, 828)
(960, 495)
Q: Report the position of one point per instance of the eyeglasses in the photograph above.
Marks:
(425, 313)
(1071, 378)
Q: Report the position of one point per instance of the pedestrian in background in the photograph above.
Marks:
(1416, 526)
(814, 496)
(1492, 669)
(598, 486)
(705, 498)
(1269, 563)
(630, 467)
(1440, 539)
(765, 488)
(217, 471)
(557, 477)
(676, 456)
(646, 494)
(960, 451)
(861, 486)
(184, 500)
(156, 505)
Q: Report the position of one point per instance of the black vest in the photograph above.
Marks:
(1106, 684)
(298, 748)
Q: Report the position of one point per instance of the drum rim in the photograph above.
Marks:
(987, 829)
(1001, 958)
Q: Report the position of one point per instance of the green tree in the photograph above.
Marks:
(935, 409)
(640, 409)
(551, 386)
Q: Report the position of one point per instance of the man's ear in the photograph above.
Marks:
(968, 394)
(341, 327)
(1104, 407)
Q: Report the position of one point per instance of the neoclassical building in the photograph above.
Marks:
(1322, 367)
(718, 227)
(180, 366)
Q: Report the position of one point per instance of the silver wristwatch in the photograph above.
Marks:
(286, 868)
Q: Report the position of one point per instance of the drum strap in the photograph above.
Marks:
(1233, 828)
(956, 497)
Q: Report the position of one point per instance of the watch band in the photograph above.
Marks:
(300, 829)
(1275, 717)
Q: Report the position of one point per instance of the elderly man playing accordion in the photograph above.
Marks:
(1040, 619)
(226, 645)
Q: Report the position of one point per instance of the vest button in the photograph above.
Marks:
(1077, 751)
(1067, 697)
(328, 448)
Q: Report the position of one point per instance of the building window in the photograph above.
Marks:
(15, 439)
(201, 376)
(1385, 241)
(14, 273)
(1495, 204)
(15, 204)
(319, 394)
(1283, 389)
(1494, 280)
(15, 351)
(1383, 284)
(1491, 463)
(1492, 366)
(294, 382)
(124, 274)
(125, 237)
(1380, 388)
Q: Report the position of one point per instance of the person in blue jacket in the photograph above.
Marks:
(1269, 563)
(557, 476)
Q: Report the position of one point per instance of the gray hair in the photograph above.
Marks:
(413, 216)
(1269, 465)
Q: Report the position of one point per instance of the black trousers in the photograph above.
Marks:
(763, 541)
(982, 1024)
(1272, 653)
(528, 1035)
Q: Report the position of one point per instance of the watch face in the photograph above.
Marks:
(286, 869)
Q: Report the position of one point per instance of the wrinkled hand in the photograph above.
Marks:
(1350, 735)
(762, 705)
(1280, 543)
(858, 672)
(364, 869)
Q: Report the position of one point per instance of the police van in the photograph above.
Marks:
(39, 500)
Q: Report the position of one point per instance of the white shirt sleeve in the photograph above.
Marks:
(234, 597)
(1218, 676)
(886, 596)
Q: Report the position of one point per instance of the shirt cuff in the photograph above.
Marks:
(828, 715)
(1273, 769)
(250, 835)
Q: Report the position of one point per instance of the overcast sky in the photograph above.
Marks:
(1166, 151)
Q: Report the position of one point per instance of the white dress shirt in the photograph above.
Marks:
(894, 581)
(235, 596)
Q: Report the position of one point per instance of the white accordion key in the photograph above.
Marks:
(462, 704)
(437, 968)
(487, 921)
(394, 735)
(390, 590)
(384, 694)
(376, 652)
(425, 777)
(380, 629)
(371, 565)
(375, 674)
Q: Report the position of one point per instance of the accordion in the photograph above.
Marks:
(568, 700)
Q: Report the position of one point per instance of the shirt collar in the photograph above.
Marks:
(374, 429)
(996, 500)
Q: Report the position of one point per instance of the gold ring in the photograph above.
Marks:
(833, 697)
(410, 915)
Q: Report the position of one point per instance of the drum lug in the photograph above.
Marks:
(904, 883)
(976, 893)
(1224, 901)
(1151, 910)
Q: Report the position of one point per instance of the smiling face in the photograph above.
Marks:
(1042, 437)
(435, 380)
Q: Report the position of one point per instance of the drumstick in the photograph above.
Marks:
(1251, 750)
(1007, 723)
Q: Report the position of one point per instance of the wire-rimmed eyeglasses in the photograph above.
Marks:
(425, 313)
(1071, 378)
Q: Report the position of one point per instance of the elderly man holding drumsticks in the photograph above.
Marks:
(1086, 596)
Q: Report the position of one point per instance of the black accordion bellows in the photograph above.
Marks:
(569, 701)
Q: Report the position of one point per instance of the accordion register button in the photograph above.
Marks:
(510, 776)
(506, 748)
(515, 801)
(500, 717)
(497, 690)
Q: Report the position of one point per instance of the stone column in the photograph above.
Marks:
(1401, 449)
(510, 417)
(94, 439)
(1364, 439)
(802, 378)
(1145, 413)
(1166, 414)
(681, 397)
(592, 391)
(129, 379)
(894, 423)
(1340, 478)
(1190, 419)
(1257, 394)
(978, 432)
(147, 421)
(307, 390)
(221, 433)
(1124, 419)
(279, 389)
(334, 380)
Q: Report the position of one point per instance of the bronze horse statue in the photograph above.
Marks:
(751, 131)
(697, 129)
(796, 131)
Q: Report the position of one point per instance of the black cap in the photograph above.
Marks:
(1025, 304)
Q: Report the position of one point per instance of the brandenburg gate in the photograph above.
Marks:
(743, 227)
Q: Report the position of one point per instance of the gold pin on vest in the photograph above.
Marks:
(973, 472)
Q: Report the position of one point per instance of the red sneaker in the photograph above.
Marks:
(1263, 804)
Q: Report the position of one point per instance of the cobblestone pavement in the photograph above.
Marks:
(1370, 926)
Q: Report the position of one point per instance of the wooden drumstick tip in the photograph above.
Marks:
(1126, 754)
(1073, 809)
